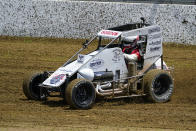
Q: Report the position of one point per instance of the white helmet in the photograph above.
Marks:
(130, 40)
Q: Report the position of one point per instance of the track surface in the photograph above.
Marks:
(18, 56)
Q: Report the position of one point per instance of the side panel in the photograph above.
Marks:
(108, 60)
(154, 43)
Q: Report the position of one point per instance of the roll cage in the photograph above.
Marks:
(113, 42)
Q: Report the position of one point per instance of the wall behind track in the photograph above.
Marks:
(76, 19)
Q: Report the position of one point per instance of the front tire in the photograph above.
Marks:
(158, 85)
(80, 94)
(30, 85)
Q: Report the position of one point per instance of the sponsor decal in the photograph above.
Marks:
(65, 70)
(96, 63)
(155, 42)
(153, 57)
(153, 30)
(80, 58)
(155, 49)
(116, 56)
(109, 33)
(99, 73)
(57, 78)
(155, 36)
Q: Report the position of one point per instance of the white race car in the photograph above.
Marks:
(104, 72)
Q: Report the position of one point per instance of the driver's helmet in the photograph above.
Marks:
(130, 41)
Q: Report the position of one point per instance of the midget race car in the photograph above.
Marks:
(104, 72)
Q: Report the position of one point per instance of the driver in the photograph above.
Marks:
(130, 48)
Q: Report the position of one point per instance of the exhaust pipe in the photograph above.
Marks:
(100, 90)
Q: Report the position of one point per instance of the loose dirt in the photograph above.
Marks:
(21, 55)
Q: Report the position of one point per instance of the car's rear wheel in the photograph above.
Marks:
(80, 94)
(158, 85)
(30, 85)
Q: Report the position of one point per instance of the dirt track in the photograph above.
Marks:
(18, 56)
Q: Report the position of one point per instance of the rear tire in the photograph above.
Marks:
(30, 85)
(158, 85)
(80, 94)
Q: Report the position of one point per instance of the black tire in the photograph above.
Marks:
(80, 94)
(158, 85)
(30, 85)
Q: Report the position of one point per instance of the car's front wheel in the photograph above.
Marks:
(31, 83)
(80, 94)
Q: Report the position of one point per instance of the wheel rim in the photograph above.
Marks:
(162, 84)
(83, 95)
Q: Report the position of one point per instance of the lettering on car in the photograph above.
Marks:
(96, 63)
(107, 32)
